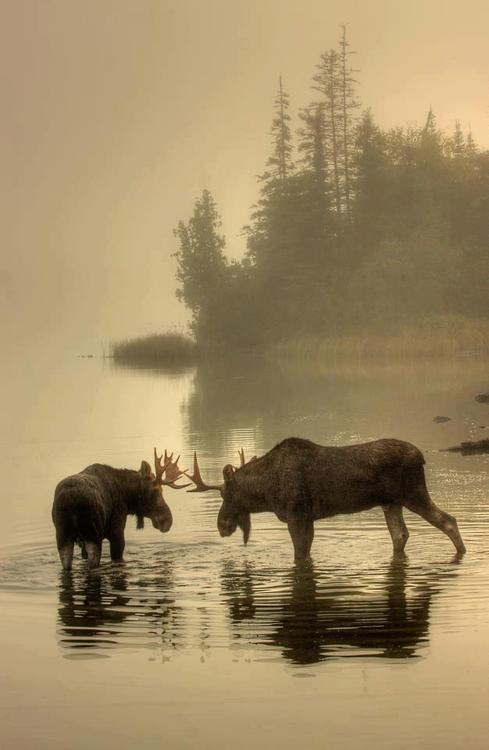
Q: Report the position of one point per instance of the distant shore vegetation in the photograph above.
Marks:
(444, 337)
(158, 350)
(362, 240)
(449, 337)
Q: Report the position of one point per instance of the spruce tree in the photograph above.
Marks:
(349, 104)
(201, 265)
(328, 82)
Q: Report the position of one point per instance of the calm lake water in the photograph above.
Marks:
(200, 642)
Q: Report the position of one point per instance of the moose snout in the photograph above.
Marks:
(162, 522)
(226, 526)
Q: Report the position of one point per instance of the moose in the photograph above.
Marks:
(94, 504)
(302, 482)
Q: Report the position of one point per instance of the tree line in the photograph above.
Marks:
(356, 228)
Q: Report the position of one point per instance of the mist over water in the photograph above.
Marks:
(196, 622)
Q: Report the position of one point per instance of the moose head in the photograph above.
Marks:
(234, 511)
(153, 504)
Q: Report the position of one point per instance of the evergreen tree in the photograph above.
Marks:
(280, 165)
(202, 267)
(457, 143)
(313, 170)
(328, 83)
(371, 209)
(349, 105)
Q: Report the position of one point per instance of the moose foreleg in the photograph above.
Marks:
(117, 545)
(397, 528)
(302, 534)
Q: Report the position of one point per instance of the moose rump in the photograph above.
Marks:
(80, 515)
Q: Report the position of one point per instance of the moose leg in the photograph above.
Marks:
(117, 545)
(83, 551)
(422, 504)
(94, 551)
(397, 528)
(65, 549)
(302, 533)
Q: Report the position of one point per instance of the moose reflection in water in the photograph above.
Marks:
(113, 608)
(316, 618)
(93, 505)
(302, 482)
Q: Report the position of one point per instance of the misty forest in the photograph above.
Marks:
(356, 229)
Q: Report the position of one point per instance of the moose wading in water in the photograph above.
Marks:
(94, 504)
(302, 482)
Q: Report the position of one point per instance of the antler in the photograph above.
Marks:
(242, 457)
(170, 469)
(159, 469)
(196, 477)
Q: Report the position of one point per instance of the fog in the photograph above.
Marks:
(116, 114)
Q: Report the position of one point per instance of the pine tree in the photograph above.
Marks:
(280, 162)
(457, 145)
(372, 189)
(328, 83)
(311, 147)
(201, 265)
(349, 104)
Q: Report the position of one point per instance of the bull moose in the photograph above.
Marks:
(94, 504)
(302, 482)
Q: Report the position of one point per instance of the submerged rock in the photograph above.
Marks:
(470, 447)
(482, 398)
(441, 419)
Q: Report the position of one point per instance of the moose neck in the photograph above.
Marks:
(131, 490)
(252, 495)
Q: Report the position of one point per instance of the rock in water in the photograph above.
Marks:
(470, 448)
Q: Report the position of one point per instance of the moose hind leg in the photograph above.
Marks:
(65, 546)
(66, 554)
(422, 504)
(302, 534)
(397, 528)
(94, 551)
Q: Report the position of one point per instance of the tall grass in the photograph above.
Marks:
(445, 337)
(156, 350)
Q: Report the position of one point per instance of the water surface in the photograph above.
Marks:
(200, 642)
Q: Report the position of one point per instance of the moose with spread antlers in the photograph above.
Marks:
(302, 482)
(94, 504)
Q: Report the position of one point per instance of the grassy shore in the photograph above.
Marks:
(448, 337)
(158, 350)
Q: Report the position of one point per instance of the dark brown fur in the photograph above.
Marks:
(94, 504)
(302, 482)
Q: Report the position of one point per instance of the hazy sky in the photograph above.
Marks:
(116, 113)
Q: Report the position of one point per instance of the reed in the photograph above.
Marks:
(156, 350)
(446, 338)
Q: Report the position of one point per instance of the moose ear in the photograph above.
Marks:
(145, 470)
(228, 473)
